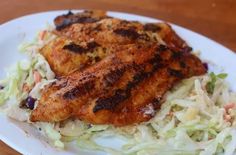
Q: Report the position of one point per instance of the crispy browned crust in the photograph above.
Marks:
(112, 71)
(65, 56)
(69, 51)
(121, 89)
(86, 16)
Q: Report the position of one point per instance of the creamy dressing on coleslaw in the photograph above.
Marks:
(190, 121)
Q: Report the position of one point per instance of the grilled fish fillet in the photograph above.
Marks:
(105, 29)
(124, 88)
(87, 16)
(85, 38)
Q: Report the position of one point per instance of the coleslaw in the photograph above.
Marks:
(197, 117)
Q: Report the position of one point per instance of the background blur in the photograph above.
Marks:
(215, 19)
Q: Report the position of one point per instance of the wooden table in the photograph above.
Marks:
(215, 19)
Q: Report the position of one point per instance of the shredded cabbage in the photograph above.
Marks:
(191, 121)
(14, 81)
(48, 130)
(20, 76)
(22, 72)
(198, 116)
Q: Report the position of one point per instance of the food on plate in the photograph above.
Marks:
(124, 88)
(95, 76)
(133, 71)
(86, 42)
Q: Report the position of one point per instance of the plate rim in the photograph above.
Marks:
(24, 151)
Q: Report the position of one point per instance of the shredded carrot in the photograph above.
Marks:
(229, 106)
(227, 118)
(170, 114)
(43, 34)
(26, 88)
(37, 76)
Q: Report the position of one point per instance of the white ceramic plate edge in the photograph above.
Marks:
(197, 41)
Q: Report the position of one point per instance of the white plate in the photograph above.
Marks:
(24, 138)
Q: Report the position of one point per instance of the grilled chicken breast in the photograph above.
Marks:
(124, 88)
(85, 38)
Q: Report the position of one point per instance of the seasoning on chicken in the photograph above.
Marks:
(124, 88)
(85, 38)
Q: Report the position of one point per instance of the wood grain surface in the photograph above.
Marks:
(215, 19)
